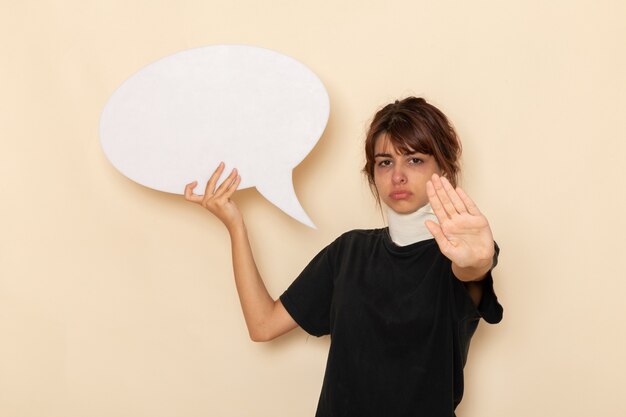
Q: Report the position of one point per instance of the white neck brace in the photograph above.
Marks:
(406, 229)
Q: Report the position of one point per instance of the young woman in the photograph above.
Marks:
(400, 303)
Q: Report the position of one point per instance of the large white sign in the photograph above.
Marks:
(255, 109)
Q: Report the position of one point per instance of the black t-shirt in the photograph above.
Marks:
(400, 325)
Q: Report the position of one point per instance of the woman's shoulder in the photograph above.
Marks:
(358, 238)
(361, 234)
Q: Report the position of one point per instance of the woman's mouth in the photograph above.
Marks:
(400, 195)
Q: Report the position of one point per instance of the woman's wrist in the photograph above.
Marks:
(236, 228)
(472, 273)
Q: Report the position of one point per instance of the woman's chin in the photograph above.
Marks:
(400, 208)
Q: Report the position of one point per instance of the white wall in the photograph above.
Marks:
(116, 300)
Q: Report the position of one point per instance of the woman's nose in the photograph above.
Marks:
(398, 177)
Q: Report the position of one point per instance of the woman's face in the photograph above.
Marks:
(401, 178)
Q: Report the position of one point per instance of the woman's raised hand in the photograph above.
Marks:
(217, 200)
(463, 233)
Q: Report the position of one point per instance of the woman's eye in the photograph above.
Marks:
(415, 161)
(384, 163)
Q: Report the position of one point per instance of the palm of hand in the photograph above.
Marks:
(217, 199)
(463, 233)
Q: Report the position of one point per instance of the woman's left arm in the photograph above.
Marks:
(463, 233)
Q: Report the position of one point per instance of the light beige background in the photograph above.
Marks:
(116, 300)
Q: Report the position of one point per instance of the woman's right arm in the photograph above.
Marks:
(265, 317)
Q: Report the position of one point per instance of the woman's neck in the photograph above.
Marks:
(406, 229)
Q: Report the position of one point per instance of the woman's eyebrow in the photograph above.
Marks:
(408, 153)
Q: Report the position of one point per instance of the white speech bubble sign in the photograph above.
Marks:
(255, 109)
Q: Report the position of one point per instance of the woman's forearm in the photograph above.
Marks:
(257, 304)
(265, 318)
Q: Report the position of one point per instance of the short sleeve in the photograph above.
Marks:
(308, 298)
(489, 308)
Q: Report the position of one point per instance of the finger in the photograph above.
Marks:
(210, 185)
(443, 196)
(189, 195)
(233, 186)
(454, 197)
(435, 202)
(226, 183)
(472, 208)
(442, 241)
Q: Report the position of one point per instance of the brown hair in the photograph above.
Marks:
(413, 125)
